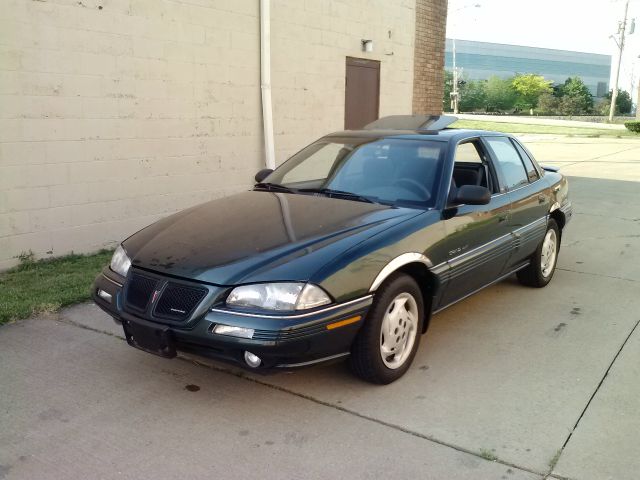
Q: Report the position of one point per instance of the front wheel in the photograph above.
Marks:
(388, 341)
(543, 262)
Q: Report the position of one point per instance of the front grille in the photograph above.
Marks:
(139, 291)
(177, 302)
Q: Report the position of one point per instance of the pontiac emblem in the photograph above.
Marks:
(155, 295)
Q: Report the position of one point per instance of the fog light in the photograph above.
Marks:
(233, 331)
(104, 295)
(252, 360)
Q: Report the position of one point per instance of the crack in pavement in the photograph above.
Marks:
(597, 160)
(598, 275)
(611, 237)
(595, 392)
(607, 216)
(246, 376)
(569, 163)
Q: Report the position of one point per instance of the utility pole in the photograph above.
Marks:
(454, 92)
(638, 103)
(620, 43)
(637, 98)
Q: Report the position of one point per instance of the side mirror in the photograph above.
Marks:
(262, 174)
(472, 195)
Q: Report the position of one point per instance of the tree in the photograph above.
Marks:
(473, 96)
(529, 87)
(575, 96)
(602, 106)
(471, 93)
(623, 102)
(571, 105)
(548, 104)
(500, 95)
(448, 87)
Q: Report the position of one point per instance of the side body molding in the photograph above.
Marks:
(396, 263)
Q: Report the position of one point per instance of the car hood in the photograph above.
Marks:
(258, 236)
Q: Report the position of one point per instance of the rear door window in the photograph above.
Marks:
(508, 162)
(532, 173)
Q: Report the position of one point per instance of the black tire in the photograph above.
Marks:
(366, 358)
(532, 275)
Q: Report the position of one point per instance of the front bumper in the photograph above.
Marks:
(281, 341)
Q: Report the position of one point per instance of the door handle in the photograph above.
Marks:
(502, 218)
(542, 199)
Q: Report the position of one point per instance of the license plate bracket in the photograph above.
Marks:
(150, 338)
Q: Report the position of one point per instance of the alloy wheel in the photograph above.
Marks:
(549, 253)
(398, 331)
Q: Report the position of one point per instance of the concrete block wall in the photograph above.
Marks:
(115, 113)
(311, 40)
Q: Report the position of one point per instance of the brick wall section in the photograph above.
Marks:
(430, 32)
(115, 113)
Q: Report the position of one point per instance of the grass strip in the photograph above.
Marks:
(48, 285)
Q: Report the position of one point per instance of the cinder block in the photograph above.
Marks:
(22, 153)
(37, 242)
(15, 223)
(10, 83)
(50, 219)
(26, 176)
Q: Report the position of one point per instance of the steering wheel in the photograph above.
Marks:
(415, 187)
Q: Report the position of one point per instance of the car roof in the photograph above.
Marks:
(444, 135)
(417, 126)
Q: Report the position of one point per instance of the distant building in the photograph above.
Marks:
(481, 60)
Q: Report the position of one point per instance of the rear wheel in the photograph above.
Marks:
(388, 341)
(543, 262)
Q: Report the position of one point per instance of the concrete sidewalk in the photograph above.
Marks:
(513, 383)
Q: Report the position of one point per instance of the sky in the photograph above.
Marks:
(580, 25)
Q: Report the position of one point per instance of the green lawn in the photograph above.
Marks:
(47, 285)
(552, 129)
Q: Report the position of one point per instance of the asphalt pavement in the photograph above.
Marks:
(512, 383)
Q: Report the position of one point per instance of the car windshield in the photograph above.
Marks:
(399, 172)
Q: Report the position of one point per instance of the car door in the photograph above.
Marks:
(478, 236)
(530, 200)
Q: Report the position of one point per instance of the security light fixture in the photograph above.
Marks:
(367, 45)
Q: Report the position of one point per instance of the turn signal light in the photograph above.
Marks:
(342, 323)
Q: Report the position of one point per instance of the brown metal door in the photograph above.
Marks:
(362, 92)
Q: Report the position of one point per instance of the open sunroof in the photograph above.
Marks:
(412, 122)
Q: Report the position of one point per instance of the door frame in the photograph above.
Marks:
(365, 63)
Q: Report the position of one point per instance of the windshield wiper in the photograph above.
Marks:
(274, 187)
(339, 194)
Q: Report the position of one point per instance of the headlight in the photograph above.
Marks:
(120, 262)
(278, 296)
